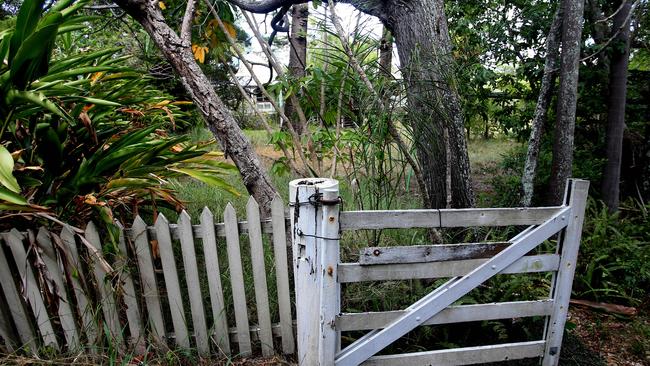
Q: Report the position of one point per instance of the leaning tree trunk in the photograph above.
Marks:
(217, 116)
(567, 99)
(297, 56)
(424, 48)
(616, 106)
(543, 101)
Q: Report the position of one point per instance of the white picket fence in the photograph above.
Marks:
(319, 273)
(64, 290)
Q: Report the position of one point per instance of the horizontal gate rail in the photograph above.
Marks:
(462, 356)
(440, 218)
(355, 272)
(429, 253)
(453, 314)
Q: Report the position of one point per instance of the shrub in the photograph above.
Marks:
(84, 134)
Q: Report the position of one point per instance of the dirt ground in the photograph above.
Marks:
(619, 341)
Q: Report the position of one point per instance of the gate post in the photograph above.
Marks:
(313, 209)
(568, 245)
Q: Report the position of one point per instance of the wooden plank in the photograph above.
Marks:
(31, 289)
(330, 289)
(467, 217)
(282, 274)
(237, 280)
(75, 273)
(148, 281)
(462, 356)
(360, 351)
(259, 277)
(576, 197)
(106, 293)
(193, 285)
(6, 331)
(454, 314)
(219, 315)
(174, 295)
(395, 219)
(15, 304)
(355, 272)
(429, 253)
(66, 316)
(123, 263)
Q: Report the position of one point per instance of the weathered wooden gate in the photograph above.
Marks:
(317, 225)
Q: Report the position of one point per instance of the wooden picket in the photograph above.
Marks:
(125, 288)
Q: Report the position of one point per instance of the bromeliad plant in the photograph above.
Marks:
(82, 133)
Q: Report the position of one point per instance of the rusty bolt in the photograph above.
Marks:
(331, 218)
(330, 270)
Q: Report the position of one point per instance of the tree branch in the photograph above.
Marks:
(615, 34)
(265, 6)
(186, 26)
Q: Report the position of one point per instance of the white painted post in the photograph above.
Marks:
(576, 197)
(306, 217)
(330, 290)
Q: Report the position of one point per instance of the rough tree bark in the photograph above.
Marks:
(567, 99)
(217, 116)
(541, 109)
(616, 106)
(297, 56)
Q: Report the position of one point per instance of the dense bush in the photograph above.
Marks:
(614, 261)
(82, 133)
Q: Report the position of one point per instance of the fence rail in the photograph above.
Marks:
(157, 285)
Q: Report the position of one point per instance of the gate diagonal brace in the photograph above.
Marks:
(450, 292)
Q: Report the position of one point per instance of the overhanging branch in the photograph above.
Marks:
(370, 7)
(265, 6)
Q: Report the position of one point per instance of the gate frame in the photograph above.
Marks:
(316, 227)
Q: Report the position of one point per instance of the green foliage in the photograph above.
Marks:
(614, 261)
(83, 133)
(499, 62)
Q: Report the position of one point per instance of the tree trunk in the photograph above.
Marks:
(541, 109)
(616, 106)
(217, 116)
(297, 56)
(386, 54)
(567, 99)
(424, 47)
